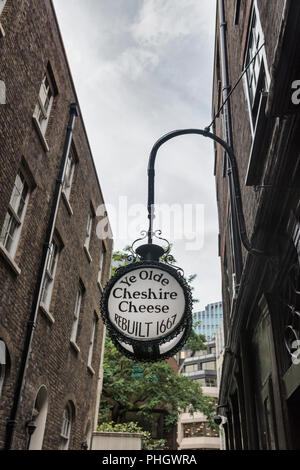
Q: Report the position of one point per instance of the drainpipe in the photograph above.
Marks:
(229, 139)
(11, 424)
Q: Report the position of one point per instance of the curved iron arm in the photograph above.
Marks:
(236, 182)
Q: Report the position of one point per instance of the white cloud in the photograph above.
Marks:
(160, 22)
(131, 64)
(143, 68)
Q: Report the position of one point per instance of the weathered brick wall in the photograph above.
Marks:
(31, 40)
(270, 16)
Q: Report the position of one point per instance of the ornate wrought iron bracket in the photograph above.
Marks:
(238, 199)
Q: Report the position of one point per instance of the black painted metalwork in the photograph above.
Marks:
(237, 191)
(146, 350)
(291, 300)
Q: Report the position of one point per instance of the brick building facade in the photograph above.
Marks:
(52, 261)
(260, 385)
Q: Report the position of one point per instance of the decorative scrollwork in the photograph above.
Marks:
(290, 297)
(166, 258)
(157, 234)
(170, 260)
(143, 236)
(291, 338)
(183, 327)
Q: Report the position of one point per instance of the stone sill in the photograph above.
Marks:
(9, 260)
(91, 370)
(103, 440)
(206, 442)
(46, 313)
(100, 286)
(75, 346)
(40, 134)
(86, 250)
(117, 434)
(67, 203)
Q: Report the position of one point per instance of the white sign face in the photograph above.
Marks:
(146, 303)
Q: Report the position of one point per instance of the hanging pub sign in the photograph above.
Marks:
(147, 307)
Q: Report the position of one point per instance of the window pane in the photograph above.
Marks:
(66, 428)
(2, 364)
(92, 338)
(199, 430)
(69, 174)
(5, 230)
(15, 215)
(256, 71)
(52, 258)
(50, 274)
(45, 290)
(88, 229)
(89, 225)
(194, 429)
(18, 197)
(76, 315)
(44, 104)
(210, 382)
(2, 5)
(102, 263)
(208, 365)
(45, 93)
(191, 368)
(78, 303)
(13, 225)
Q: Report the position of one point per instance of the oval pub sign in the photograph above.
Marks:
(146, 304)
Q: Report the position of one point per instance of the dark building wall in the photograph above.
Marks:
(32, 41)
(257, 383)
(242, 141)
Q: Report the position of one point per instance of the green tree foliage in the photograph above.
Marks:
(143, 387)
(195, 343)
(132, 427)
(155, 385)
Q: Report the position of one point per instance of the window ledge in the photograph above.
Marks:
(100, 286)
(40, 134)
(86, 250)
(67, 202)
(46, 313)
(75, 346)
(10, 261)
(91, 370)
(2, 32)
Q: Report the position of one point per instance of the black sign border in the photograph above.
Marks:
(185, 322)
(160, 357)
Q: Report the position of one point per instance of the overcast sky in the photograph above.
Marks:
(141, 69)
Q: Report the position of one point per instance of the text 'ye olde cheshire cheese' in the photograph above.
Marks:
(146, 304)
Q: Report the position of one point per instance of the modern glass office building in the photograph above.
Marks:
(207, 322)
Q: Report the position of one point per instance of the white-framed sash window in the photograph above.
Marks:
(69, 174)
(44, 104)
(88, 231)
(101, 265)
(92, 340)
(50, 274)
(257, 78)
(76, 314)
(3, 361)
(66, 428)
(14, 218)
